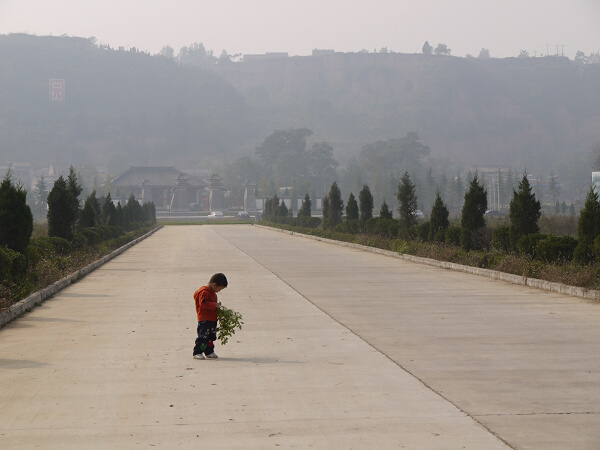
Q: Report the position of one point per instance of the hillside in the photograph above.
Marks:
(120, 107)
(126, 107)
(481, 112)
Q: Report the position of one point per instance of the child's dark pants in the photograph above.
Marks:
(207, 334)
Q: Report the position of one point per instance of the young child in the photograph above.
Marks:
(206, 310)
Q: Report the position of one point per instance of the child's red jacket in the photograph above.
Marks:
(206, 304)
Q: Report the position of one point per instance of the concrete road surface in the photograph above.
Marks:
(340, 349)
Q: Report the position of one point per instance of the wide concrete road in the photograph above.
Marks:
(340, 349)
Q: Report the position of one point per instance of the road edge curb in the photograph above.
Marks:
(37, 298)
(560, 288)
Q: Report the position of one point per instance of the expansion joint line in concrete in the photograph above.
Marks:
(372, 346)
(558, 413)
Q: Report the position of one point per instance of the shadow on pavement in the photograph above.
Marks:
(20, 364)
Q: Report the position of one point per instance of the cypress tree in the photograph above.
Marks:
(268, 211)
(385, 212)
(16, 219)
(109, 212)
(439, 216)
(365, 204)
(305, 208)
(138, 215)
(407, 200)
(352, 208)
(524, 212)
(119, 215)
(336, 205)
(60, 210)
(472, 212)
(90, 215)
(588, 227)
(282, 210)
(149, 212)
(88, 218)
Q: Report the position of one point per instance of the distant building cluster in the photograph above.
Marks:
(281, 55)
(266, 56)
(169, 188)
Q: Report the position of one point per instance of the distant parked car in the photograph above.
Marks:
(493, 213)
(419, 214)
(215, 214)
(243, 215)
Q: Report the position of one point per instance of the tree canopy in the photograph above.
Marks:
(283, 156)
(393, 155)
(427, 48)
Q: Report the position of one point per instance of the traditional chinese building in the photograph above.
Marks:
(169, 188)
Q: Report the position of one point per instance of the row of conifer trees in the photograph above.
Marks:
(521, 234)
(70, 226)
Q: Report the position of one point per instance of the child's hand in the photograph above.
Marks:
(218, 305)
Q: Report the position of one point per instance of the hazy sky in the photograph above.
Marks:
(297, 27)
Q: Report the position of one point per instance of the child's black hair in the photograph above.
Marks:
(219, 279)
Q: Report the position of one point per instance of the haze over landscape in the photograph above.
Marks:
(239, 26)
(367, 91)
(247, 137)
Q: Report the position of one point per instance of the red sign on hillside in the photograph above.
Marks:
(57, 90)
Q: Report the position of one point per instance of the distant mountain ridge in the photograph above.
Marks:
(480, 111)
(126, 107)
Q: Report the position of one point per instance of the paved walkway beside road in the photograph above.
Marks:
(341, 349)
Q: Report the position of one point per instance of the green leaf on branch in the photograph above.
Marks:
(229, 321)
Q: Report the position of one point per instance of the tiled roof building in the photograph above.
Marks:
(167, 187)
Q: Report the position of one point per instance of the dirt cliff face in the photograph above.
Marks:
(494, 111)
